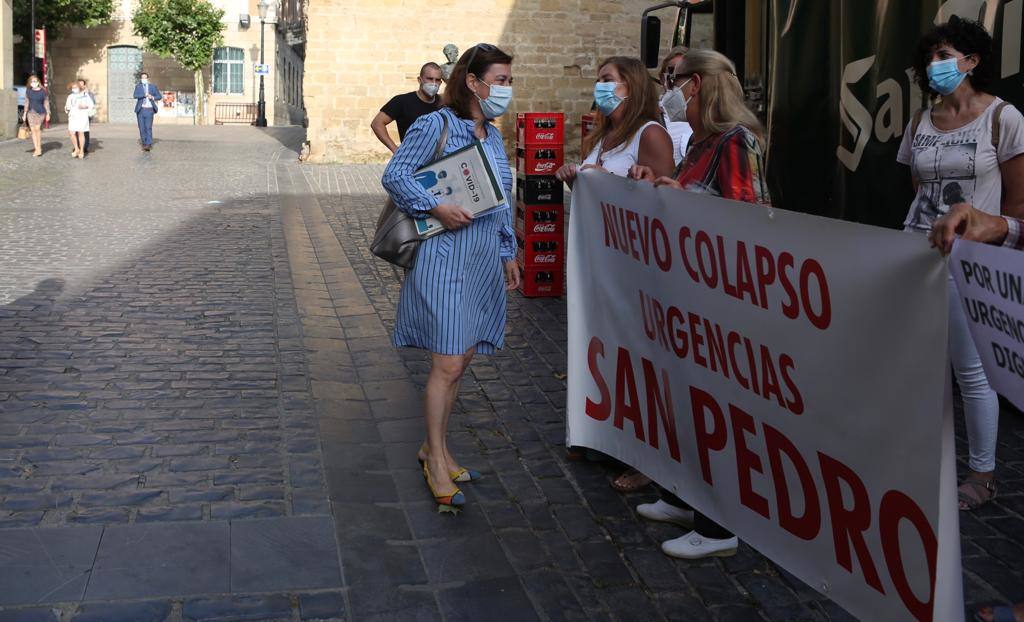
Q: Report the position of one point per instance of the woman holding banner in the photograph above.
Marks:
(977, 226)
(725, 159)
(628, 130)
(453, 299)
(964, 150)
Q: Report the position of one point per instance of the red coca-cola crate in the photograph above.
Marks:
(540, 282)
(540, 128)
(535, 190)
(542, 251)
(537, 161)
(537, 219)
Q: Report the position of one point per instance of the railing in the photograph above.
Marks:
(234, 113)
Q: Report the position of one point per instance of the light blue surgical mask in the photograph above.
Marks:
(944, 76)
(605, 97)
(497, 102)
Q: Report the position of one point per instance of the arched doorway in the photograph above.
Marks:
(124, 62)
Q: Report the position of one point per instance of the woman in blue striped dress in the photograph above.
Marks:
(453, 300)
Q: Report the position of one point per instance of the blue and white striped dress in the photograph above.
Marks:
(453, 299)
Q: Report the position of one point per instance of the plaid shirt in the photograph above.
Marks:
(1014, 233)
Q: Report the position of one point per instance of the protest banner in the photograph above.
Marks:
(990, 281)
(785, 374)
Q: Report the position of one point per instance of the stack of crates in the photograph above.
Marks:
(540, 217)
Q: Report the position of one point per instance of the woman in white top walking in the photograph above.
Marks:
(79, 107)
(627, 130)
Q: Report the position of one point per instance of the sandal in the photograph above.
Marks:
(974, 493)
(630, 480)
(459, 476)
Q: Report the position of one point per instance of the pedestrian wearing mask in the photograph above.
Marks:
(679, 130)
(83, 87)
(452, 301)
(725, 159)
(406, 108)
(964, 150)
(627, 130)
(147, 99)
(79, 108)
(37, 111)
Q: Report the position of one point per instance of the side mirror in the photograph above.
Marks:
(650, 40)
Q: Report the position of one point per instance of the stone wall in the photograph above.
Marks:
(362, 52)
(82, 52)
(8, 98)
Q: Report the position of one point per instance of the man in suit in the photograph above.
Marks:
(147, 103)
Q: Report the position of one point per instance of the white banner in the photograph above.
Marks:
(784, 374)
(990, 281)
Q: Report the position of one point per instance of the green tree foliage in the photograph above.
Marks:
(56, 14)
(185, 30)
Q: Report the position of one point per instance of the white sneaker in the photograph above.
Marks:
(666, 513)
(695, 546)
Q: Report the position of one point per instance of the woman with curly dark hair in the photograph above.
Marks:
(965, 149)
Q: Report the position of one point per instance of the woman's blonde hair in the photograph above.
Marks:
(639, 107)
(721, 95)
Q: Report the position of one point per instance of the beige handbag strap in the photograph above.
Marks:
(915, 123)
(995, 123)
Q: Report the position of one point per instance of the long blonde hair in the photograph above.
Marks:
(721, 95)
(639, 107)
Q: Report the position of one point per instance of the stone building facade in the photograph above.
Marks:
(362, 52)
(110, 58)
(8, 97)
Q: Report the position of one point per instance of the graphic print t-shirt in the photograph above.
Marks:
(959, 166)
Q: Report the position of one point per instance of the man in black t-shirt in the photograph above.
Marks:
(408, 107)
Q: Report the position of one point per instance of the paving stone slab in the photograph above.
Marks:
(282, 554)
(148, 560)
(46, 565)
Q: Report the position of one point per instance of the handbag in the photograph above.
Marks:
(23, 132)
(396, 239)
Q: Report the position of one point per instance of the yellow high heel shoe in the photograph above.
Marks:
(461, 476)
(445, 503)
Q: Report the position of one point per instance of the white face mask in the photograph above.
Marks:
(674, 104)
(75, 90)
(430, 89)
(145, 80)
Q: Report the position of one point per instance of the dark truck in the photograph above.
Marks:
(831, 80)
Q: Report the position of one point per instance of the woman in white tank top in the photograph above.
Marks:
(627, 131)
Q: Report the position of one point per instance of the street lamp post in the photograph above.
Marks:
(261, 107)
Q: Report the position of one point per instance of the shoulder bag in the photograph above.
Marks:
(396, 240)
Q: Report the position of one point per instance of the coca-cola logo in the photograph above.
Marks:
(545, 135)
(546, 228)
(544, 197)
(544, 167)
(546, 258)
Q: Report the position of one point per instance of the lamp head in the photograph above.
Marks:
(263, 6)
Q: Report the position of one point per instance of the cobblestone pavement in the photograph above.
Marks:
(573, 544)
(202, 418)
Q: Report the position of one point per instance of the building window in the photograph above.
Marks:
(227, 71)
